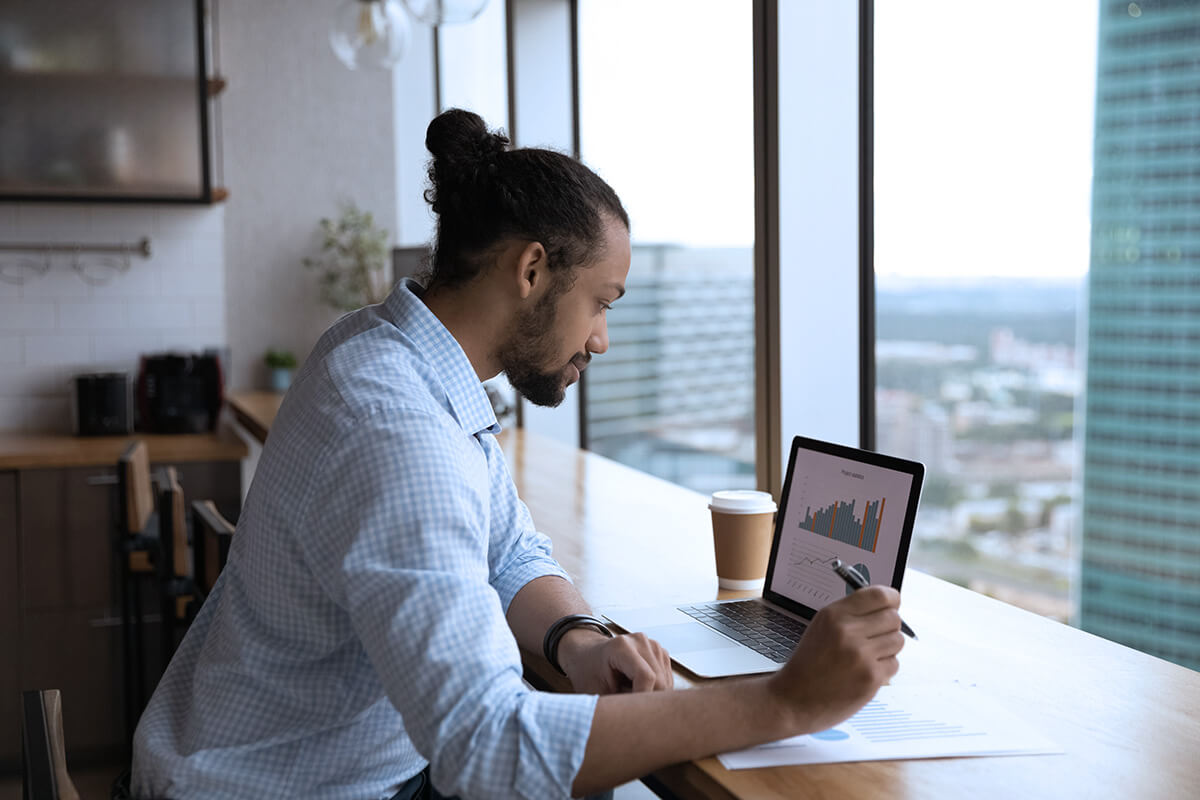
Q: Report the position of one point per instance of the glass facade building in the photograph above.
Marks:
(674, 396)
(1140, 570)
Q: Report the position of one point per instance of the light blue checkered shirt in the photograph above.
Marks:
(358, 629)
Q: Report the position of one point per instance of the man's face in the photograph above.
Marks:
(551, 343)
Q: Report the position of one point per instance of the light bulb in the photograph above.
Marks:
(371, 33)
(445, 12)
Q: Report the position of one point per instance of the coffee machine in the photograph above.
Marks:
(179, 392)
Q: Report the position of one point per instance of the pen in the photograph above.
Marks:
(856, 581)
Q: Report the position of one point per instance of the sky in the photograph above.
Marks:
(983, 128)
(983, 137)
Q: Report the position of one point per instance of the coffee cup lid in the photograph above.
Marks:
(742, 501)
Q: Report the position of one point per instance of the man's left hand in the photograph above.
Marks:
(596, 664)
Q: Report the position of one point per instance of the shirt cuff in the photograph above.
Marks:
(514, 578)
(554, 733)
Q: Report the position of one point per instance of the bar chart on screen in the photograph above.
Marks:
(838, 521)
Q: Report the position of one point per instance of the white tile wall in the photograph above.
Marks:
(58, 325)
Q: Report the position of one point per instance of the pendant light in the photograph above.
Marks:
(445, 12)
(371, 33)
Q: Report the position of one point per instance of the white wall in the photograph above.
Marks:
(57, 325)
(300, 132)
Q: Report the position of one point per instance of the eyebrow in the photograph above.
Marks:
(620, 289)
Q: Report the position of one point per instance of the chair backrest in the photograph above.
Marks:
(137, 491)
(43, 751)
(173, 526)
(212, 535)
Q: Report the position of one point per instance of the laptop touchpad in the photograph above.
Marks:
(688, 637)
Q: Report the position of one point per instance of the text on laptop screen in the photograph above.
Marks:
(838, 508)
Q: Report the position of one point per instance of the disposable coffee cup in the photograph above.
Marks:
(743, 521)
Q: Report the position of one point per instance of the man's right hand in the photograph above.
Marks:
(847, 653)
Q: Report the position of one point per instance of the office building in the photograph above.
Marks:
(1140, 574)
(675, 394)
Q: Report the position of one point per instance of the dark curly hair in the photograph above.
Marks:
(484, 192)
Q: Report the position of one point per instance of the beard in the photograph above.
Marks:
(530, 346)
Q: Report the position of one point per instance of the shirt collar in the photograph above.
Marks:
(467, 397)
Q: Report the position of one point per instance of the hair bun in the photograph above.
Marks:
(461, 137)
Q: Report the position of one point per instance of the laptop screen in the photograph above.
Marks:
(840, 503)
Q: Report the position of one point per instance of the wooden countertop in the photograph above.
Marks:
(52, 451)
(255, 411)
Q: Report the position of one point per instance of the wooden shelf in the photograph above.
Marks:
(215, 84)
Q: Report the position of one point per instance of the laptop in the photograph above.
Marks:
(838, 502)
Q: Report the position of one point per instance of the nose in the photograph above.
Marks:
(598, 341)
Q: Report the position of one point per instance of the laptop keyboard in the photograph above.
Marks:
(759, 627)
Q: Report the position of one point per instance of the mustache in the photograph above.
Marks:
(581, 360)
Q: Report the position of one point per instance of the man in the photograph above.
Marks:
(384, 570)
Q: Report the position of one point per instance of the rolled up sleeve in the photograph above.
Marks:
(519, 552)
(402, 540)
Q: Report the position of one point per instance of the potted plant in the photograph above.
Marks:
(352, 265)
(281, 363)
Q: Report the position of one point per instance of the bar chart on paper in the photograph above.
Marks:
(839, 522)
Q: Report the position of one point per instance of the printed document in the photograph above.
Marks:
(907, 721)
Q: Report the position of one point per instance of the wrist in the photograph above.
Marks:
(575, 642)
(565, 625)
(778, 709)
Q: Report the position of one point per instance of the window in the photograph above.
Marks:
(472, 65)
(670, 125)
(982, 178)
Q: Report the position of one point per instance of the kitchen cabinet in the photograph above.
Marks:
(106, 101)
(60, 598)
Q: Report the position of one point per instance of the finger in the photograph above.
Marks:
(641, 674)
(873, 598)
(664, 678)
(656, 658)
(879, 623)
(864, 601)
(886, 646)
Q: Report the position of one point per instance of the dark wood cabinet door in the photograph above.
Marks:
(64, 597)
(78, 651)
(10, 682)
(67, 539)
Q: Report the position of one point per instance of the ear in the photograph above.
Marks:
(532, 271)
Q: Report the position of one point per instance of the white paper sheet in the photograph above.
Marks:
(921, 721)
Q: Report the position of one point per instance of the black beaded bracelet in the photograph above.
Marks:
(556, 631)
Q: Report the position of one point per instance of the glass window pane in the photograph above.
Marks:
(982, 183)
(670, 125)
(473, 65)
